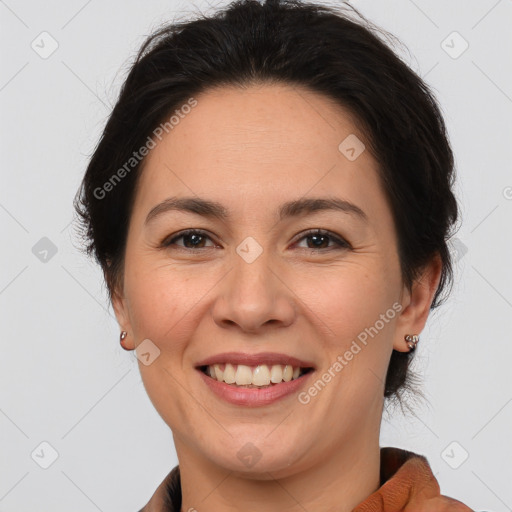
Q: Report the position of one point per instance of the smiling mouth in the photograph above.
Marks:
(260, 376)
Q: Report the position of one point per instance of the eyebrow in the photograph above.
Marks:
(289, 209)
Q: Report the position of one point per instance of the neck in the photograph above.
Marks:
(339, 480)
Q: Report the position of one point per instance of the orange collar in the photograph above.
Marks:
(407, 485)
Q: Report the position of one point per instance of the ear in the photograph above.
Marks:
(120, 306)
(417, 302)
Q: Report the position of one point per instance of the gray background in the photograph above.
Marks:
(64, 379)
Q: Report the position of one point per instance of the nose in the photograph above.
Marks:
(254, 297)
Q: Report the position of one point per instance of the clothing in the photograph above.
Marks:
(406, 480)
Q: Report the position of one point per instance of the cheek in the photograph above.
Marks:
(167, 303)
(346, 299)
(159, 299)
(354, 318)
(162, 309)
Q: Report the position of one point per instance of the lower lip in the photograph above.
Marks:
(254, 397)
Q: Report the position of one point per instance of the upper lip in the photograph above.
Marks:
(268, 358)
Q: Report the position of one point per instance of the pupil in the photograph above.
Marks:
(317, 237)
(194, 237)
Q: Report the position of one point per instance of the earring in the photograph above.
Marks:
(122, 338)
(412, 340)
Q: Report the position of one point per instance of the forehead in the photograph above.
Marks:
(262, 144)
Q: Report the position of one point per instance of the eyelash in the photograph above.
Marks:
(340, 242)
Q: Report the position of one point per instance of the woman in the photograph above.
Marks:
(270, 204)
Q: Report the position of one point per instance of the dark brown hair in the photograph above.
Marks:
(285, 41)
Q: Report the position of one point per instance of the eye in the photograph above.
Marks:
(319, 236)
(195, 237)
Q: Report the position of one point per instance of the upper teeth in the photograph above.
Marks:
(261, 375)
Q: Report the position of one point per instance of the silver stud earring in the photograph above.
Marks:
(122, 338)
(412, 341)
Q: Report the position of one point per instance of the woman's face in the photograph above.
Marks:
(254, 281)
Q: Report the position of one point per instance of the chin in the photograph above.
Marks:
(256, 457)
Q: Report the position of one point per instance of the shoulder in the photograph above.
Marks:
(409, 484)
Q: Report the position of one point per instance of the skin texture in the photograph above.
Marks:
(252, 150)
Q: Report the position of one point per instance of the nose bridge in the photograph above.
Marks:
(252, 286)
(252, 294)
(252, 279)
